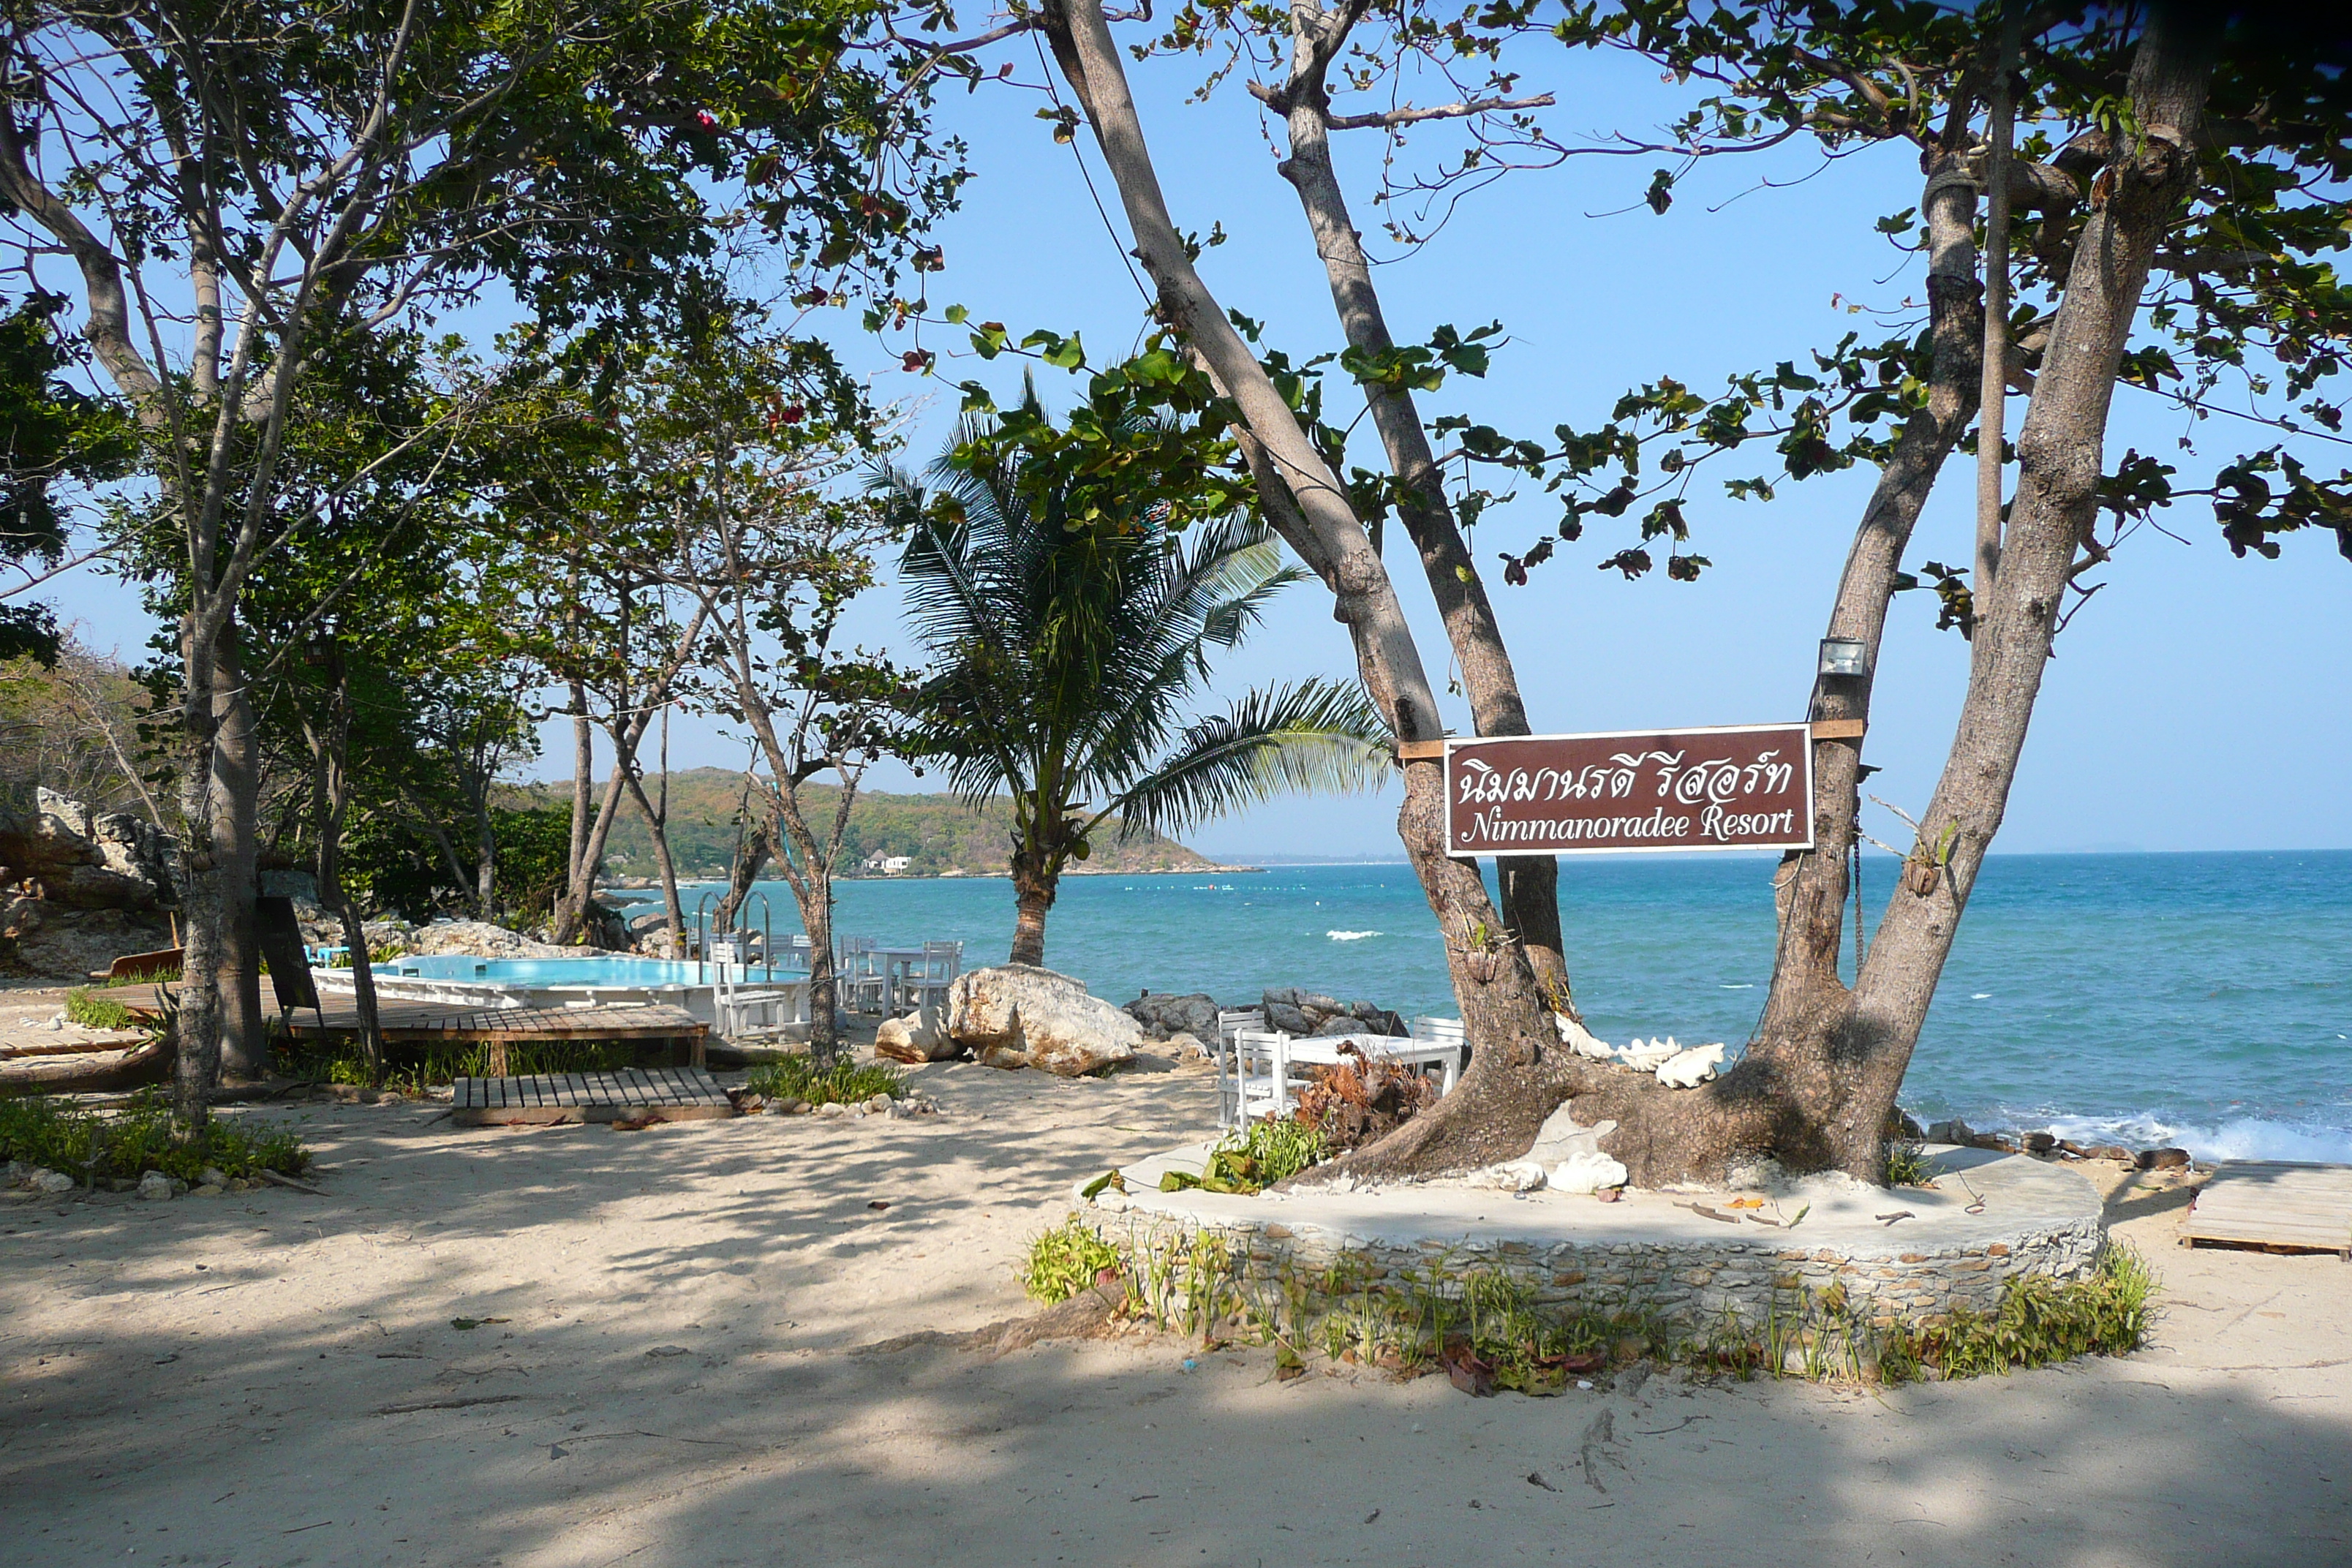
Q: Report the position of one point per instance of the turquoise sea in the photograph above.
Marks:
(2202, 999)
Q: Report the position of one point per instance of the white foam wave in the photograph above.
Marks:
(2237, 1138)
(1352, 935)
(1749, 986)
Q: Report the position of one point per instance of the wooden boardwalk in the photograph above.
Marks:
(407, 1022)
(2276, 1204)
(631, 1094)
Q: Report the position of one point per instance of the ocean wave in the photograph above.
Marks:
(1352, 935)
(2237, 1138)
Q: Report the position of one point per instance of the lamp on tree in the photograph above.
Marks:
(1844, 655)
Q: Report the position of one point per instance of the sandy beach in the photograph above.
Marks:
(663, 1371)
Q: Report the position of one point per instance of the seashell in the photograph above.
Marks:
(1576, 1038)
(1647, 1056)
(1688, 1069)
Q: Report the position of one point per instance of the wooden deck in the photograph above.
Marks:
(408, 1022)
(631, 1094)
(2274, 1204)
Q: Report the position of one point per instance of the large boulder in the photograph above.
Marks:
(1166, 1016)
(907, 1040)
(1045, 1017)
(1295, 1010)
(477, 939)
(84, 859)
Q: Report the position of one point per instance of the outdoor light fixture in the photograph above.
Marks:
(1844, 655)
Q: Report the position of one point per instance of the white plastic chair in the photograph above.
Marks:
(1254, 1077)
(942, 961)
(1450, 1032)
(859, 982)
(1239, 1019)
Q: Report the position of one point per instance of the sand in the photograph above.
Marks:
(271, 1378)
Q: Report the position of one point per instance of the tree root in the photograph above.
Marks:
(95, 1072)
(1085, 1316)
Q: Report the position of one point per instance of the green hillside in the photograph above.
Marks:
(939, 834)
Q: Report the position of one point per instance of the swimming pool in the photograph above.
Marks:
(634, 973)
(604, 981)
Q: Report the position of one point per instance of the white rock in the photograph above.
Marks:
(1510, 1176)
(1689, 1069)
(212, 1176)
(1584, 1172)
(1562, 1138)
(1578, 1038)
(907, 1039)
(833, 1108)
(1047, 1018)
(154, 1187)
(53, 1181)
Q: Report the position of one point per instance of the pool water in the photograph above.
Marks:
(639, 972)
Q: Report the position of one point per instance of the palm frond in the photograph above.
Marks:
(1314, 736)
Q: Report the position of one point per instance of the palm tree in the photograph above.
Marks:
(1067, 657)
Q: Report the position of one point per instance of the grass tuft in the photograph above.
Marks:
(1066, 1260)
(1907, 1165)
(1485, 1328)
(849, 1082)
(1247, 1161)
(413, 1071)
(62, 1136)
(2039, 1322)
(93, 1012)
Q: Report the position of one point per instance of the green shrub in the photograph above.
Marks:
(413, 1071)
(1248, 1161)
(128, 1142)
(1066, 1260)
(2039, 1321)
(849, 1082)
(97, 1011)
(1907, 1165)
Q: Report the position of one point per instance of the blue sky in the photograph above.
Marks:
(2198, 702)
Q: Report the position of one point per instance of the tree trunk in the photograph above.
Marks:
(330, 801)
(196, 1064)
(363, 1002)
(236, 831)
(485, 847)
(583, 785)
(824, 985)
(752, 848)
(658, 828)
(90, 1072)
(1530, 884)
(1865, 1043)
(572, 914)
(1518, 1072)
(1034, 888)
(1811, 888)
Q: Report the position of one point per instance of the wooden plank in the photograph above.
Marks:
(2274, 1203)
(1839, 729)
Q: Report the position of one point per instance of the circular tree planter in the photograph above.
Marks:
(1989, 1219)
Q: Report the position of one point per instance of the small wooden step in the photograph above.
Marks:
(660, 1094)
(2277, 1203)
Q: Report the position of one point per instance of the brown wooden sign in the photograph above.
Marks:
(1744, 787)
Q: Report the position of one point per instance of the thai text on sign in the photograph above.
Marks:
(1744, 787)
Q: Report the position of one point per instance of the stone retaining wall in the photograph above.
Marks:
(1688, 1283)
